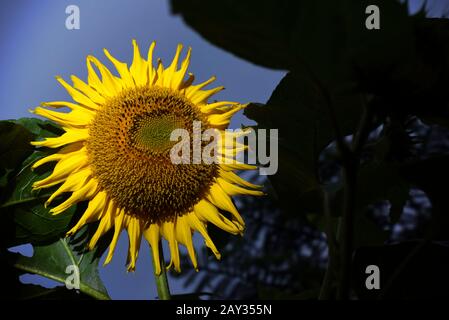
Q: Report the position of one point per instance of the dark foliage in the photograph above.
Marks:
(363, 149)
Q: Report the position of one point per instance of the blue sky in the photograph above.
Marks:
(36, 47)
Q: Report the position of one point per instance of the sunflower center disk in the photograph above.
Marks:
(129, 151)
(153, 134)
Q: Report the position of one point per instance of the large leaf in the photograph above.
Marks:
(298, 109)
(36, 292)
(24, 217)
(51, 261)
(26, 220)
(330, 36)
(258, 31)
(14, 146)
(39, 128)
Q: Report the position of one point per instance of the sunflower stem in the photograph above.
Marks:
(329, 277)
(163, 290)
(351, 163)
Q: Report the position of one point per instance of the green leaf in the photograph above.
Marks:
(328, 36)
(51, 261)
(14, 144)
(379, 53)
(299, 111)
(24, 217)
(26, 220)
(258, 31)
(40, 128)
(37, 292)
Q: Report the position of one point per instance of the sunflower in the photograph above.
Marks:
(115, 154)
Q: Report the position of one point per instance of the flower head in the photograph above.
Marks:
(116, 154)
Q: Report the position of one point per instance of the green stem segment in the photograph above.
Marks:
(347, 231)
(328, 281)
(163, 290)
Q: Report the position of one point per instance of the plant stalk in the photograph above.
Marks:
(163, 290)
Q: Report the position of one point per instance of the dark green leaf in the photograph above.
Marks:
(329, 36)
(24, 217)
(259, 31)
(36, 292)
(15, 144)
(299, 111)
(40, 128)
(51, 261)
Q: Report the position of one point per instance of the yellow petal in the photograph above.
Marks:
(70, 136)
(64, 104)
(89, 91)
(74, 182)
(93, 212)
(207, 212)
(224, 118)
(75, 118)
(228, 153)
(61, 154)
(122, 69)
(187, 83)
(202, 96)
(85, 193)
(135, 236)
(159, 73)
(106, 223)
(110, 83)
(168, 232)
(178, 77)
(218, 197)
(63, 168)
(151, 71)
(139, 68)
(170, 71)
(118, 227)
(191, 91)
(234, 190)
(184, 236)
(77, 95)
(237, 166)
(152, 234)
(232, 177)
(197, 225)
(213, 106)
(93, 80)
